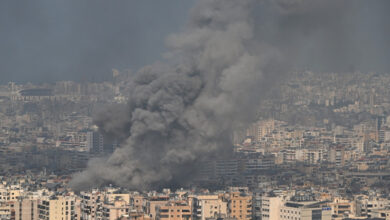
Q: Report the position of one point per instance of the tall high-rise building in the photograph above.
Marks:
(240, 205)
(270, 207)
(336, 155)
(26, 209)
(57, 208)
(260, 129)
(97, 144)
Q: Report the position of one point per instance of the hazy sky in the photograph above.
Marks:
(46, 40)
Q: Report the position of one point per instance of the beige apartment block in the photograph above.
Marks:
(26, 209)
(211, 206)
(240, 206)
(175, 210)
(116, 210)
(61, 207)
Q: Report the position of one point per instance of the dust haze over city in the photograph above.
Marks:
(151, 109)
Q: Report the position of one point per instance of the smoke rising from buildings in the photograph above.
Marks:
(182, 112)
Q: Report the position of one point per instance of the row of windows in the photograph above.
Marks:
(6, 193)
(288, 217)
(371, 205)
(167, 216)
(178, 210)
(292, 212)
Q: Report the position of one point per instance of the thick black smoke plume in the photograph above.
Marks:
(182, 113)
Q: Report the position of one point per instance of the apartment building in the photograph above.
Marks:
(26, 209)
(174, 210)
(305, 211)
(61, 207)
(208, 206)
(342, 207)
(116, 210)
(240, 205)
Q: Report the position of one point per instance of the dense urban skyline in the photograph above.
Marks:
(320, 144)
(195, 110)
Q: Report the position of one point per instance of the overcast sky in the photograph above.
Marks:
(46, 40)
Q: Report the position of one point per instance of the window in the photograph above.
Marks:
(316, 214)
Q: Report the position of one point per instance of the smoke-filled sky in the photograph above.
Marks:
(45, 40)
(182, 112)
(221, 58)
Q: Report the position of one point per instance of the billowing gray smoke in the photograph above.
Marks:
(183, 112)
